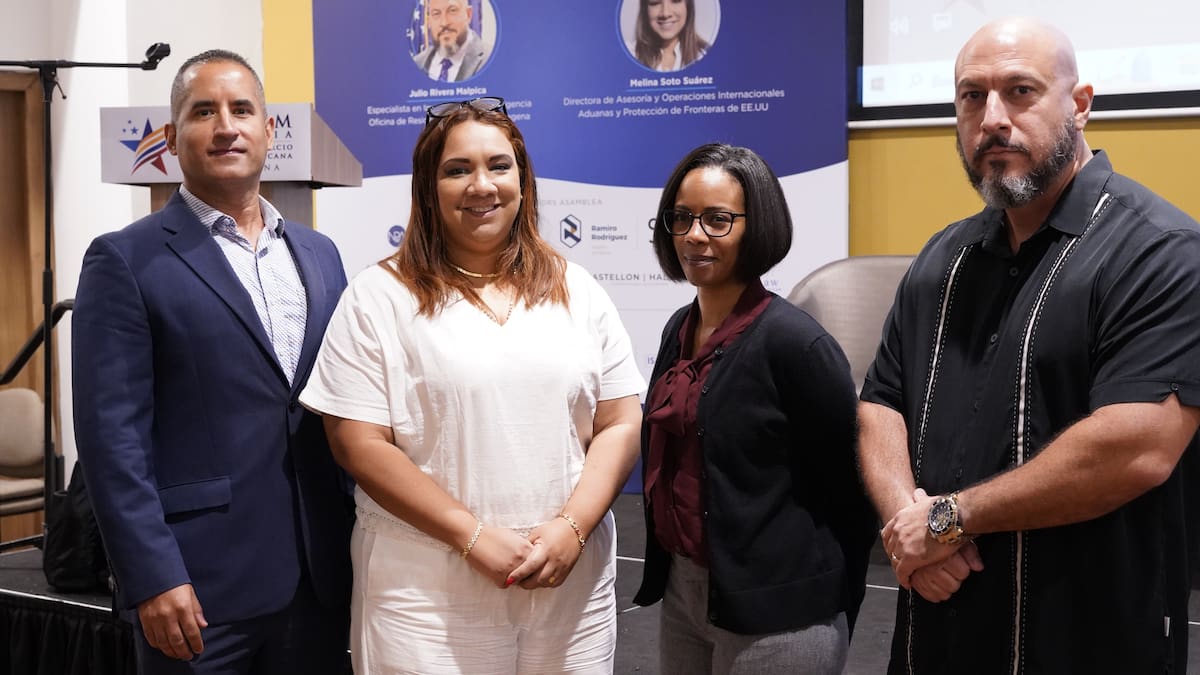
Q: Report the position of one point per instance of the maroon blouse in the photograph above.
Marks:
(675, 462)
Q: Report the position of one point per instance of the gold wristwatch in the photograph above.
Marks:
(943, 522)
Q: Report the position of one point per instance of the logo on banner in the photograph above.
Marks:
(395, 235)
(571, 232)
(149, 148)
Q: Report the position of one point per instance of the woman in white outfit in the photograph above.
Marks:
(483, 393)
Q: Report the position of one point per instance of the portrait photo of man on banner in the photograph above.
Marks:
(451, 40)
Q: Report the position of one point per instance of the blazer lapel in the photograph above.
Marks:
(314, 288)
(474, 52)
(193, 243)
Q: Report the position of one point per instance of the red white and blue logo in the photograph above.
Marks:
(148, 148)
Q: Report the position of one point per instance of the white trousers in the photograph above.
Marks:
(417, 607)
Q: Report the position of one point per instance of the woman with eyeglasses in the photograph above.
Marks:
(757, 529)
(483, 393)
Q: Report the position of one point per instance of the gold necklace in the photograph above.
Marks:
(474, 275)
(491, 315)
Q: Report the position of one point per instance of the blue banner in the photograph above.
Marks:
(769, 75)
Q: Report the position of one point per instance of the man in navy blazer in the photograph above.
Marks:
(224, 515)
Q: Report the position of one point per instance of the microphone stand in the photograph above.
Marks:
(52, 470)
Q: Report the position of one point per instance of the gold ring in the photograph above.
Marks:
(551, 580)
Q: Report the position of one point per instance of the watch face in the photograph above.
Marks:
(941, 516)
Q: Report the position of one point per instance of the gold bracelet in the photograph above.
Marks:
(474, 538)
(575, 526)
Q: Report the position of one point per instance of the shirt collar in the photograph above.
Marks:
(678, 60)
(212, 218)
(1073, 210)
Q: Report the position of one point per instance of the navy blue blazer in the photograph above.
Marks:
(201, 465)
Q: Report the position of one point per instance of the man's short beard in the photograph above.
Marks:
(455, 46)
(1008, 192)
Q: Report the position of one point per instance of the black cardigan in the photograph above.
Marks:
(787, 524)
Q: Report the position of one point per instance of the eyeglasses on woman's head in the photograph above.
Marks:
(438, 111)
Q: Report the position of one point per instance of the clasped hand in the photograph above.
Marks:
(934, 570)
(544, 559)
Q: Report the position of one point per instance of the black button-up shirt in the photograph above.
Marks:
(989, 355)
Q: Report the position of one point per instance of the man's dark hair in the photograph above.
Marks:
(768, 234)
(179, 89)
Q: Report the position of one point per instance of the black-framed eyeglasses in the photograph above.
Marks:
(714, 223)
(484, 104)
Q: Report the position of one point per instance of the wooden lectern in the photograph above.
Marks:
(306, 155)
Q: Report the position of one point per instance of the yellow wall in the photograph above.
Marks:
(906, 184)
(288, 51)
(288, 56)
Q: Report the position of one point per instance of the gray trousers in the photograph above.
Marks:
(690, 645)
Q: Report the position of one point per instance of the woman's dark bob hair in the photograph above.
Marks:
(768, 235)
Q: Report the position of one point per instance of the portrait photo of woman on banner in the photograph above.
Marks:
(668, 35)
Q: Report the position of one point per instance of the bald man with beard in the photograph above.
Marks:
(1028, 428)
(455, 52)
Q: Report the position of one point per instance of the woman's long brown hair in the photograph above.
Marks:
(532, 266)
(647, 43)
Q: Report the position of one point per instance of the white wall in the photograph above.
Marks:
(27, 38)
(108, 31)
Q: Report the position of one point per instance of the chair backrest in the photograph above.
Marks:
(21, 436)
(851, 298)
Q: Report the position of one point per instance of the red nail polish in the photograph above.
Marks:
(509, 581)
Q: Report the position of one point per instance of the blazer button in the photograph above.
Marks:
(700, 432)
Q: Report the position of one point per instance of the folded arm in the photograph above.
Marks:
(610, 458)
(884, 462)
(368, 453)
(1094, 467)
